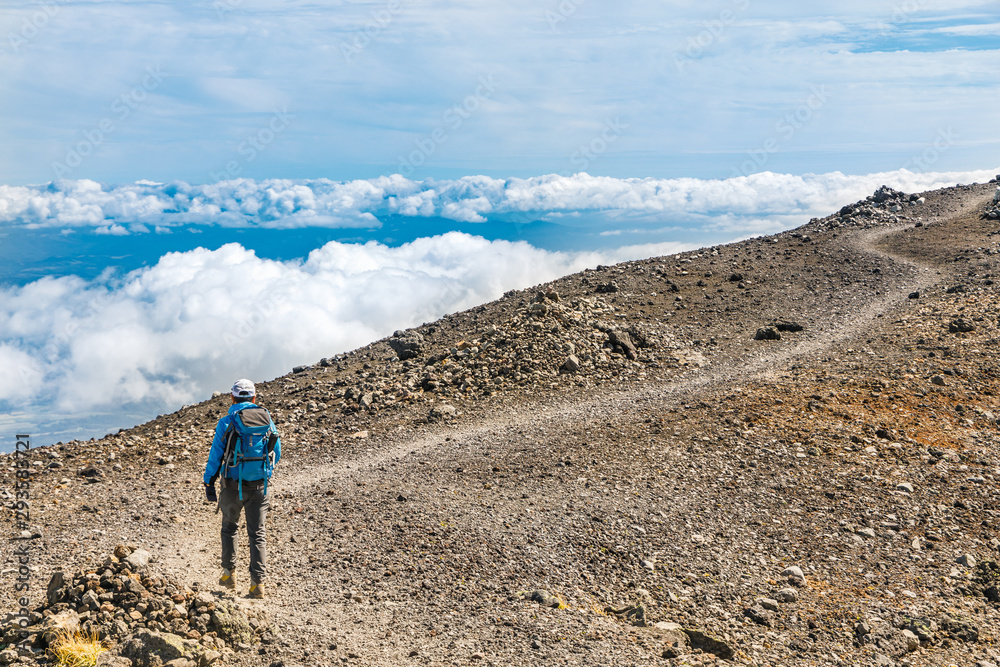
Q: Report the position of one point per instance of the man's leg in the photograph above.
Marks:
(256, 509)
(229, 503)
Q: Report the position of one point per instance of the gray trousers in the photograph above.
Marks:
(255, 504)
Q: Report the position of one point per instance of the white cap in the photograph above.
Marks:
(244, 389)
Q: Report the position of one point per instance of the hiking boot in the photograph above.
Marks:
(227, 579)
(256, 590)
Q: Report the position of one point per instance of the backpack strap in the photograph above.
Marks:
(272, 439)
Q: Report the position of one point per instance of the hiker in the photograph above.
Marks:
(245, 450)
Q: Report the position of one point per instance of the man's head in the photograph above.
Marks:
(243, 390)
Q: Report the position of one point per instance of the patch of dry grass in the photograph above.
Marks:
(77, 650)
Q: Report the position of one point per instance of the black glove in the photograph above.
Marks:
(210, 493)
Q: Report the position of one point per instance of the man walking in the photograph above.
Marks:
(245, 450)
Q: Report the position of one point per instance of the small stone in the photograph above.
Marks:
(759, 615)
(442, 412)
(938, 380)
(960, 326)
(906, 487)
(138, 559)
(543, 597)
(912, 641)
(767, 333)
(768, 603)
(793, 572)
(787, 595)
(866, 532)
(968, 560)
(923, 629)
(90, 600)
(572, 364)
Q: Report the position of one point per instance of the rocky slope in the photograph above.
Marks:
(782, 451)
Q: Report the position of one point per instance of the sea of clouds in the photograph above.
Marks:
(168, 334)
(284, 204)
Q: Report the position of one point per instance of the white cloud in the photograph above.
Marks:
(172, 333)
(974, 30)
(284, 204)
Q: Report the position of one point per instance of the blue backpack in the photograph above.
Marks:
(249, 440)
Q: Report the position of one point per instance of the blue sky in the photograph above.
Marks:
(444, 89)
(360, 167)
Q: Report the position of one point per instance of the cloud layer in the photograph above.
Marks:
(168, 334)
(284, 204)
(174, 332)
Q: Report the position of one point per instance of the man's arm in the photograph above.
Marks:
(215, 453)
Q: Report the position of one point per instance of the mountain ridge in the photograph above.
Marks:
(731, 412)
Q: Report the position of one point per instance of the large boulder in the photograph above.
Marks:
(675, 641)
(622, 342)
(407, 344)
(56, 588)
(138, 559)
(151, 649)
(232, 624)
(63, 624)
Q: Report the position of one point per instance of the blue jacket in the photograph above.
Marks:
(250, 472)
